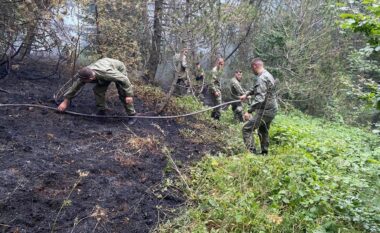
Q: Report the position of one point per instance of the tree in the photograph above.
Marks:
(155, 51)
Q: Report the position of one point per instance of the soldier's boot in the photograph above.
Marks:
(215, 115)
(253, 151)
(101, 112)
(132, 120)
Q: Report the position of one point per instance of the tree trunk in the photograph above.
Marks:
(155, 51)
(98, 43)
(26, 46)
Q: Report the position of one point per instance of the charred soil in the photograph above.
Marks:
(63, 173)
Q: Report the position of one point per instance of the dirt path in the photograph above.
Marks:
(45, 158)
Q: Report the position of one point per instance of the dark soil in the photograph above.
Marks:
(43, 153)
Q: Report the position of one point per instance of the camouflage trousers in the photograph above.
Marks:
(182, 85)
(237, 108)
(261, 120)
(100, 90)
(216, 100)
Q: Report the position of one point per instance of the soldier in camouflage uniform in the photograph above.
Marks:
(181, 72)
(199, 72)
(102, 73)
(236, 91)
(215, 87)
(199, 79)
(264, 103)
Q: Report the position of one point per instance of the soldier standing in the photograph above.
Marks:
(102, 73)
(237, 91)
(215, 87)
(264, 103)
(199, 72)
(181, 72)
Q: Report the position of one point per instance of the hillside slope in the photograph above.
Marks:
(64, 173)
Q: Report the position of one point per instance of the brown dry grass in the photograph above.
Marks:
(140, 143)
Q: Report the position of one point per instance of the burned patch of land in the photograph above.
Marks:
(73, 174)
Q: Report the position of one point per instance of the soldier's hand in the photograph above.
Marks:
(243, 97)
(63, 106)
(246, 116)
(129, 100)
(217, 94)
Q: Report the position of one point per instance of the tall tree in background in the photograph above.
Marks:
(155, 51)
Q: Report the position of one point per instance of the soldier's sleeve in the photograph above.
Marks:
(259, 91)
(121, 80)
(251, 90)
(184, 62)
(239, 89)
(214, 78)
(202, 72)
(73, 90)
(233, 89)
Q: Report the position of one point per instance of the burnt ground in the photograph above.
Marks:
(64, 173)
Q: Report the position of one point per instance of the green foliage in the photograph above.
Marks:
(364, 17)
(320, 177)
(365, 21)
(225, 127)
(118, 26)
(304, 56)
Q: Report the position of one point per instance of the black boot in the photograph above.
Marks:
(253, 151)
(132, 121)
(215, 115)
(264, 152)
(101, 112)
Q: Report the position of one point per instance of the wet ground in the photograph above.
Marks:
(61, 173)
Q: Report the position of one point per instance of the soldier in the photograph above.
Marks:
(102, 73)
(264, 103)
(181, 71)
(215, 88)
(199, 72)
(237, 91)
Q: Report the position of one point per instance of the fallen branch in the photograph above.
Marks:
(5, 91)
(167, 98)
(167, 154)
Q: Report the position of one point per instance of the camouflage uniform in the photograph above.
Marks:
(264, 103)
(214, 87)
(199, 74)
(107, 70)
(181, 73)
(199, 80)
(237, 91)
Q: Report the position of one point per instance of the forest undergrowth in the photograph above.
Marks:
(320, 176)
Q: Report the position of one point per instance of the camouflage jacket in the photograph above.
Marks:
(180, 62)
(263, 92)
(216, 76)
(235, 89)
(199, 72)
(106, 70)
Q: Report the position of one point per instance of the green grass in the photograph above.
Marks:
(320, 177)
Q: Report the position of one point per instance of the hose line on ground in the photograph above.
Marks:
(136, 116)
